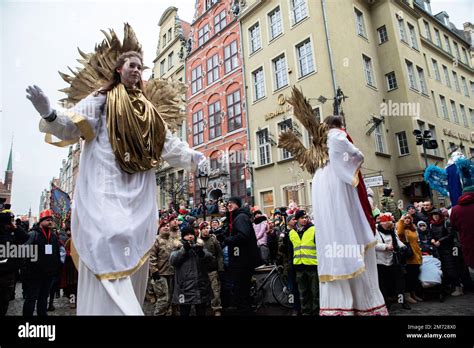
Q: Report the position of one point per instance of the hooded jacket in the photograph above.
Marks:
(462, 220)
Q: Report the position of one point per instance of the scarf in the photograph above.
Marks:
(136, 130)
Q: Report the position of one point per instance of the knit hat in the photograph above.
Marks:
(187, 230)
(203, 224)
(299, 214)
(410, 206)
(386, 217)
(289, 218)
(421, 223)
(237, 200)
(45, 214)
(387, 191)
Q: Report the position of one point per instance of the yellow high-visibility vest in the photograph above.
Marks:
(304, 249)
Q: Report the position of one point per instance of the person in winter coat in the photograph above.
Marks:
(425, 236)
(37, 276)
(390, 272)
(261, 228)
(243, 253)
(462, 220)
(10, 235)
(216, 268)
(389, 205)
(443, 239)
(406, 232)
(191, 281)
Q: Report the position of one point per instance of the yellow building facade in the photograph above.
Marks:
(382, 55)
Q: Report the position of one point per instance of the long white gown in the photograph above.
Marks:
(114, 214)
(344, 240)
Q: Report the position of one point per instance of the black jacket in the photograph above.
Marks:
(242, 242)
(10, 238)
(444, 234)
(47, 264)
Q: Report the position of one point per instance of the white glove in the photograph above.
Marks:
(39, 100)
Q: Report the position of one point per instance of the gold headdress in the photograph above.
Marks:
(317, 156)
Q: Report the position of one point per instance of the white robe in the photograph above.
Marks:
(344, 240)
(114, 214)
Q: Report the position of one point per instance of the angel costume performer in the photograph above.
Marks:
(345, 240)
(114, 214)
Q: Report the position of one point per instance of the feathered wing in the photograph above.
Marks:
(98, 66)
(168, 98)
(317, 156)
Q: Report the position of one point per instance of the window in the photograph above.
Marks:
(463, 115)
(382, 32)
(446, 76)
(471, 112)
(196, 79)
(198, 128)
(444, 107)
(274, 18)
(411, 75)
(414, 43)
(215, 129)
(254, 35)
(456, 81)
(360, 25)
(263, 147)
(237, 175)
(402, 143)
(432, 129)
(448, 46)
(290, 194)
(210, 3)
(436, 70)
(203, 34)
(162, 67)
(298, 8)
(163, 44)
(305, 58)
(437, 38)
(220, 22)
(464, 54)
(454, 112)
(213, 69)
(472, 86)
(391, 81)
(421, 77)
(258, 84)
(284, 126)
(267, 203)
(279, 68)
(169, 35)
(369, 74)
(234, 111)
(230, 57)
(456, 50)
(426, 64)
(427, 30)
(401, 29)
(170, 60)
(379, 144)
(464, 86)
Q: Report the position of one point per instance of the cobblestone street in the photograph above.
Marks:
(461, 305)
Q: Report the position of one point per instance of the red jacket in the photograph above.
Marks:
(462, 219)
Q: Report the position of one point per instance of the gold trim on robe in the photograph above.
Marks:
(81, 123)
(328, 277)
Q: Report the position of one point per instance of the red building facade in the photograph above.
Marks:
(217, 120)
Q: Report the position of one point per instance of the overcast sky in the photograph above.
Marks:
(38, 38)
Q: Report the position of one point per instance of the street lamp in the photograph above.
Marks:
(424, 138)
(202, 179)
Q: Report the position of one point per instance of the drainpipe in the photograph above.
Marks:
(250, 169)
(328, 41)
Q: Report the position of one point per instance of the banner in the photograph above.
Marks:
(61, 206)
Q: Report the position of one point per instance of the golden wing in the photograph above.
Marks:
(317, 156)
(168, 97)
(98, 66)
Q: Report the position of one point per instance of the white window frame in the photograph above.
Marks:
(213, 69)
(454, 111)
(464, 86)
(198, 127)
(282, 72)
(360, 23)
(456, 81)
(422, 80)
(255, 42)
(170, 60)
(402, 30)
(427, 30)
(196, 79)
(278, 23)
(301, 7)
(413, 39)
(434, 62)
(231, 59)
(394, 81)
(284, 126)
(368, 70)
(438, 38)
(448, 44)
(261, 83)
(444, 107)
(402, 143)
(463, 115)
(265, 146)
(220, 21)
(381, 36)
(379, 136)
(308, 59)
(446, 76)
(412, 82)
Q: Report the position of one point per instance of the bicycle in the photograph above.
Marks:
(277, 282)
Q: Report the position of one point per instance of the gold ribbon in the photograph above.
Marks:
(136, 130)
